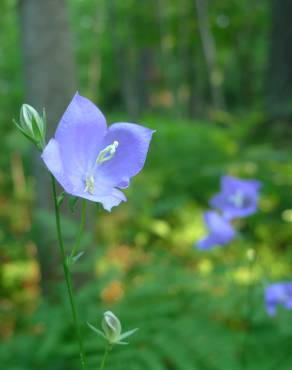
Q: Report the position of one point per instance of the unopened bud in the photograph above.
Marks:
(32, 125)
(111, 327)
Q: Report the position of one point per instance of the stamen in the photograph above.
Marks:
(107, 153)
(89, 185)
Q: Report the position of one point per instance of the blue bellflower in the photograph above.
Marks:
(220, 231)
(91, 160)
(238, 198)
(278, 294)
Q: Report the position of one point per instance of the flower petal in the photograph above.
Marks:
(220, 231)
(207, 243)
(52, 158)
(271, 308)
(130, 155)
(218, 225)
(79, 134)
(230, 184)
(109, 197)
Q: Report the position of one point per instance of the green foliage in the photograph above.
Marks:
(10, 65)
(186, 321)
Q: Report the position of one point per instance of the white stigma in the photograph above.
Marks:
(105, 155)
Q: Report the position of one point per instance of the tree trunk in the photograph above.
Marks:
(279, 97)
(95, 63)
(192, 101)
(145, 58)
(125, 60)
(168, 59)
(49, 76)
(209, 48)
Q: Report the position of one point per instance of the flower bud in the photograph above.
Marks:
(32, 125)
(111, 327)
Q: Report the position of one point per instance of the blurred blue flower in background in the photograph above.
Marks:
(278, 294)
(238, 198)
(220, 231)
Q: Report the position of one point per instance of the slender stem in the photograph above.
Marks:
(81, 229)
(68, 278)
(252, 260)
(106, 352)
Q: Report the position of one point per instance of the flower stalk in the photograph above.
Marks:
(73, 256)
(103, 361)
(68, 277)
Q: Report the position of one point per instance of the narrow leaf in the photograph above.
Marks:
(97, 331)
(76, 258)
(127, 334)
(22, 130)
(60, 198)
(72, 203)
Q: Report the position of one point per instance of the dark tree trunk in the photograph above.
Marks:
(47, 55)
(193, 102)
(125, 59)
(144, 78)
(196, 102)
(49, 76)
(280, 64)
(210, 53)
(168, 59)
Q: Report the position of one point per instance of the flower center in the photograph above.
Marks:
(237, 199)
(105, 155)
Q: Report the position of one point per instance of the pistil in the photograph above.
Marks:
(105, 155)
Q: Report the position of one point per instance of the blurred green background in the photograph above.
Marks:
(214, 78)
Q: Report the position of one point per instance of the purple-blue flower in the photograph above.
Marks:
(91, 160)
(220, 231)
(238, 198)
(278, 294)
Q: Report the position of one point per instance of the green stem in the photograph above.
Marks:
(68, 278)
(106, 352)
(81, 229)
(249, 307)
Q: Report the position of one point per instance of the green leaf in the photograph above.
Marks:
(97, 331)
(127, 334)
(73, 259)
(122, 343)
(60, 198)
(76, 258)
(72, 203)
(23, 131)
(44, 123)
